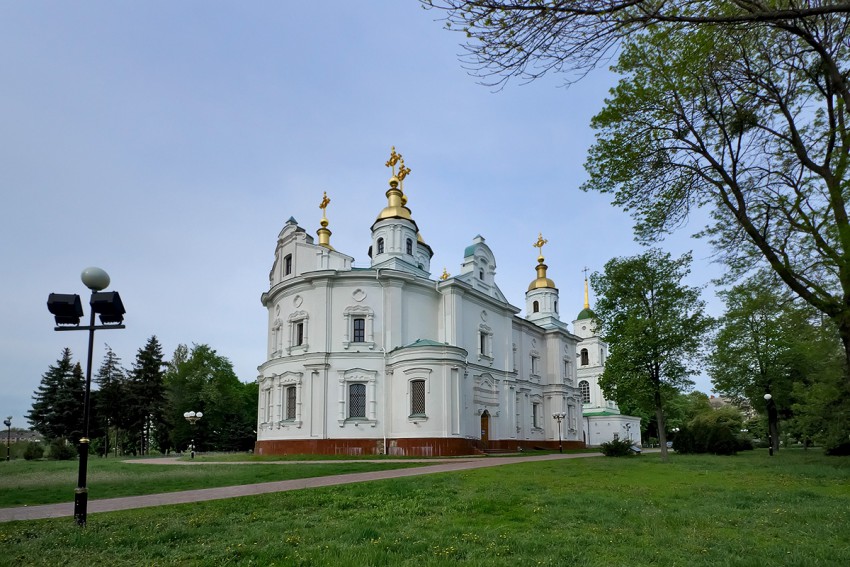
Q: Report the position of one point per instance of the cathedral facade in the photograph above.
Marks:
(387, 360)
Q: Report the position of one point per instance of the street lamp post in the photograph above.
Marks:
(67, 310)
(192, 417)
(772, 424)
(559, 417)
(8, 423)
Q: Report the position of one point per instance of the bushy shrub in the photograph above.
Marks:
(33, 451)
(60, 450)
(713, 431)
(617, 448)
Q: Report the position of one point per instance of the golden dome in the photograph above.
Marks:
(395, 208)
(542, 281)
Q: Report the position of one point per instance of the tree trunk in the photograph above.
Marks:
(659, 419)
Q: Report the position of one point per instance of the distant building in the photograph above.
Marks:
(602, 420)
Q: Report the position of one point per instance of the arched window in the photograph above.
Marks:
(287, 264)
(584, 390)
(409, 248)
(417, 397)
(357, 400)
(585, 359)
(535, 307)
(380, 246)
(481, 275)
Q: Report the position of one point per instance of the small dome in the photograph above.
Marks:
(395, 209)
(542, 281)
(586, 313)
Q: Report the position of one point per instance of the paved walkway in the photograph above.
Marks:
(187, 496)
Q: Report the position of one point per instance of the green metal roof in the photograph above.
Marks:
(586, 313)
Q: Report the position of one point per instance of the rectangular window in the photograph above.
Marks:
(357, 400)
(287, 265)
(534, 365)
(535, 415)
(417, 397)
(299, 334)
(482, 343)
(290, 402)
(359, 330)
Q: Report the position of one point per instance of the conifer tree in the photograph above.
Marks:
(57, 409)
(110, 400)
(146, 396)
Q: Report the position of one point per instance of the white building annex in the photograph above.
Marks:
(602, 420)
(387, 360)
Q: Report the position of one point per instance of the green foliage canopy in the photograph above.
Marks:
(654, 325)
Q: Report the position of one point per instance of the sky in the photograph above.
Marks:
(168, 143)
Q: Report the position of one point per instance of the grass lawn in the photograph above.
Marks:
(49, 482)
(793, 509)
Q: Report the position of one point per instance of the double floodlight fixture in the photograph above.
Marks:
(67, 308)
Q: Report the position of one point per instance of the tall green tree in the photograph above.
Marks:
(199, 379)
(57, 409)
(750, 125)
(110, 399)
(738, 106)
(655, 326)
(146, 399)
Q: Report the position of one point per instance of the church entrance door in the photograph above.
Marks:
(485, 428)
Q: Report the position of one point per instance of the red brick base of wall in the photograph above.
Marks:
(428, 447)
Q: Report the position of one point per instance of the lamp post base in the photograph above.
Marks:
(81, 499)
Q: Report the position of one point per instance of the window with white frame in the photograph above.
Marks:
(409, 247)
(584, 390)
(535, 364)
(359, 327)
(356, 401)
(287, 264)
(357, 404)
(535, 415)
(417, 398)
(298, 332)
(380, 246)
(535, 307)
(485, 342)
(585, 357)
(291, 397)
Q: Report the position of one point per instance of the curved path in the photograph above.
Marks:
(187, 496)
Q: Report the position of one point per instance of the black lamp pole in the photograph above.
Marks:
(68, 310)
(8, 423)
(559, 417)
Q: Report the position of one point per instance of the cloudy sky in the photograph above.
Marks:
(168, 142)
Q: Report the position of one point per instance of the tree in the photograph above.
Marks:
(199, 379)
(530, 38)
(750, 125)
(654, 325)
(110, 400)
(57, 409)
(146, 398)
(734, 105)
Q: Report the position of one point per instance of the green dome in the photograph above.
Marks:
(586, 313)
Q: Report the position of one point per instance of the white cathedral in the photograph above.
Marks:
(386, 360)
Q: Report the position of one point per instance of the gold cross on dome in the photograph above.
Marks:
(325, 202)
(540, 242)
(394, 157)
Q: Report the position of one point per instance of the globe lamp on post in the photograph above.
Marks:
(67, 310)
(559, 417)
(192, 417)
